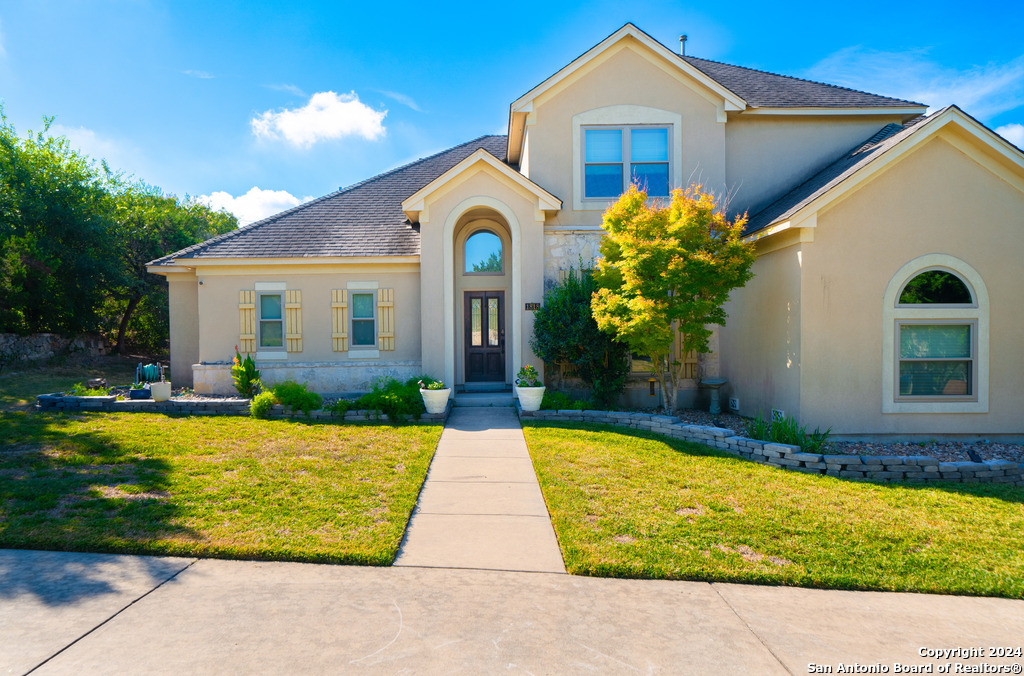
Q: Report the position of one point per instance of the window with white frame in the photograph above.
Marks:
(615, 157)
(935, 352)
(364, 320)
(271, 321)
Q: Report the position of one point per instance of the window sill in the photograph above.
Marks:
(935, 407)
(271, 356)
(363, 354)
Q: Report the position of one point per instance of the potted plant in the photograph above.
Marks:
(161, 391)
(529, 389)
(138, 391)
(435, 395)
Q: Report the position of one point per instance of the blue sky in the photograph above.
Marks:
(258, 105)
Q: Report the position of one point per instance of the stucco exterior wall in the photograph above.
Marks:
(622, 77)
(759, 346)
(219, 317)
(183, 302)
(766, 155)
(935, 200)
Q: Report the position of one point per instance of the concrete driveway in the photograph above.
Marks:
(63, 613)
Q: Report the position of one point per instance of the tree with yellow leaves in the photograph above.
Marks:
(668, 268)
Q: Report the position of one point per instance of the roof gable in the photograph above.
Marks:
(481, 160)
(798, 207)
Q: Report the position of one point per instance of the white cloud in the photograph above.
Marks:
(401, 98)
(983, 91)
(290, 88)
(201, 74)
(1013, 132)
(92, 144)
(254, 205)
(327, 116)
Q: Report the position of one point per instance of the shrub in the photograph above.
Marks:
(261, 403)
(394, 399)
(298, 397)
(245, 376)
(557, 401)
(80, 390)
(787, 431)
(341, 406)
(428, 383)
(565, 332)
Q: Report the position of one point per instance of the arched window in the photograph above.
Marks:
(936, 338)
(483, 254)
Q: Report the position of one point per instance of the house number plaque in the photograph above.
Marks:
(533, 306)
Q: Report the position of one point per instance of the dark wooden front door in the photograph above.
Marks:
(485, 336)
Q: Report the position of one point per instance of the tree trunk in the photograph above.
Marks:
(125, 319)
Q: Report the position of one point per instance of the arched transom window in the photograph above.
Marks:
(483, 254)
(936, 337)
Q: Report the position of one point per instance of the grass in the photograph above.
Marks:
(632, 504)
(19, 385)
(222, 487)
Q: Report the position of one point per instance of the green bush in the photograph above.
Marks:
(298, 397)
(245, 376)
(556, 401)
(394, 399)
(80, 390)
(261, 403)
(564, 332)
(788, 431)
(341, 406)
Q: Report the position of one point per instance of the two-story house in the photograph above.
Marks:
(885, 290)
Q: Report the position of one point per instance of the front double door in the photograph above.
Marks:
(485, 336)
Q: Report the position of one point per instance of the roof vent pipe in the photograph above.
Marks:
(682, 45)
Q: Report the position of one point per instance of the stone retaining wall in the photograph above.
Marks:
(39, 346)
(59, 402)
(870, 467)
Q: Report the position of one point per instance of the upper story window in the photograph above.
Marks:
(615, 157)
(483, 254)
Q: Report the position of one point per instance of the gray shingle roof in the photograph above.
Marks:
(768, 90)
(365, 219)
(832, 175)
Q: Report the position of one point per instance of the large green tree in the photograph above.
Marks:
(56, 252)
(667, 269)
(75, 238)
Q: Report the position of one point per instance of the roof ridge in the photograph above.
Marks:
(275, 217)
(793, 77)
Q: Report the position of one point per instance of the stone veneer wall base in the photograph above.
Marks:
(916, 468)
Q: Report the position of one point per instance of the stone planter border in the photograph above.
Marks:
(917, 468)
(59, 402)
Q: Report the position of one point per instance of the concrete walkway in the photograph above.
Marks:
(481, 506)
(102, 614)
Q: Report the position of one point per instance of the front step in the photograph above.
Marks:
(483, 399)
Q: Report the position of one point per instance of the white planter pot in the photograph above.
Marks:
(530, 397)
(160, 391)
(436, 400)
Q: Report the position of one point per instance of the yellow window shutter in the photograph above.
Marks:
(247, 321)
(339, 319)
(386, 319)
(293, 320)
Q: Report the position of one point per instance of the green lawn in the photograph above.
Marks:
(19, 386)
(631, 504)
(209, 486)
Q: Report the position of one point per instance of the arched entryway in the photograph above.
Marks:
(483, 276)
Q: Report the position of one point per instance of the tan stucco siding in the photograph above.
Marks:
(183, 301)
(624, 78)
(760, 342)
(765, 156)
(934, 200)
(219, 314)
(481, 195)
